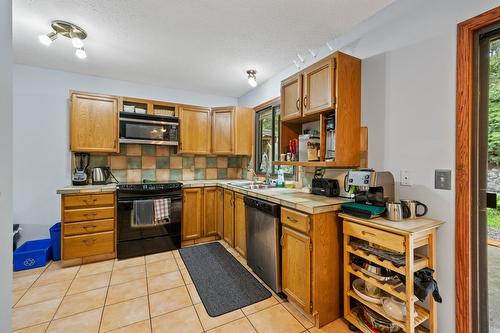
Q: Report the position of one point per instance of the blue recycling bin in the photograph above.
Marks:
(32, 254)
(55, 238)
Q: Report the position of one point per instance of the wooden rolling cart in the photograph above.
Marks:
(403, 237)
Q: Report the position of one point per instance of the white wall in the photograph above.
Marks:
(408, 104)
(41, 135)
(5, 164)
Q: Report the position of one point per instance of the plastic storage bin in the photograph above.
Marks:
(55, 238)
(32, 254)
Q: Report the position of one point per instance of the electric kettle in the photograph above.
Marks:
(100, 175)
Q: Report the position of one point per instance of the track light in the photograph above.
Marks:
(48, 38)
(76, 41)
(80, 53)
(252, 77)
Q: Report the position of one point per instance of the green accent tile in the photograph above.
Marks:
(148, 150)
(175, 174)
(134, 162)
(234, 162)
(149, 174)
(98, 160)
(211, 162)
(221, 173)
(121, 175)
(199, 174)
(187, 162)
(163, 162)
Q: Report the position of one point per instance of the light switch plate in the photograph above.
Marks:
(442, 179)
(405, 179)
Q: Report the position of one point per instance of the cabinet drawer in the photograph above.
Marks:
(89, 200)
(74, 215)
(386, 239)
(88, 245)
(79, 228)
(295, 220)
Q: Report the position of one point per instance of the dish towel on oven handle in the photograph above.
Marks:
(162, 210)
(143, 213)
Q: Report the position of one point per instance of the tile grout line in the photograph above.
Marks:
(106, 297)
(147, 294)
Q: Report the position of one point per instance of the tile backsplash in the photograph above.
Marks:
(136, 162)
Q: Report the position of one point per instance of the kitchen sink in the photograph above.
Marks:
(249, 185)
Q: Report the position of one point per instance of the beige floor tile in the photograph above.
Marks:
(125, 291)
(268, 302)
(85, 322)
(195, 297)
(165, 281)
(337, 326)
(180, 263)
(169, 300)
(124, 314)
(275, 319)
(180, 321)
(24, 282)
(159, 256)
(89, 282)
(128, 274)
(162, 266)
(124, 263)
(96, 268)
(240, 326)
(34, 329)
(140, 327)
(81, 302)
(44, 293)
(54, 265)
(57, 275)
(34, 271)
(306, 322)
(16, 295)
(176, 254)
(186, 276)
(213, 322)
(34, 314)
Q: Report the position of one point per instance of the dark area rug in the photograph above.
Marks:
(223, 284)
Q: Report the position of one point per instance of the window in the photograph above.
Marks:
(267, 141)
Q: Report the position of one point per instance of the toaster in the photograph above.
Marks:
(325, 186)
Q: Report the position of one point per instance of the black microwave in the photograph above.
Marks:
(149, 129)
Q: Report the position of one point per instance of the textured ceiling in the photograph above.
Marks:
(201, 45)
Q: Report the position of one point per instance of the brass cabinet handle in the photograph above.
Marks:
(89, 241)
(281, 241)
(89, 226)
(292, 219)
(89, 214)
(366, 233)
(297, 104)
(305, 102)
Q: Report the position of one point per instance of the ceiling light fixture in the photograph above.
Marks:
(252, 77)
(69, 30)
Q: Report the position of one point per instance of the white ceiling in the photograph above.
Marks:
(201, 45)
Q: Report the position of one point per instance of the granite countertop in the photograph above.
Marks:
(286, 197)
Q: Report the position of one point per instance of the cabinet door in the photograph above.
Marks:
(222, 129)
(240, 227)
(244, 131)
(291, 98)
(192, 217)
(195, 130)
(229, 217)
(296, 267)
(319, 90)
(94, 123)
(210, 211)
(220, 212)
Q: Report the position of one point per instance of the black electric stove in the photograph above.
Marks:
(133, 240)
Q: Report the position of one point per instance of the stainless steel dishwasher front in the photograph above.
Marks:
(263, 235)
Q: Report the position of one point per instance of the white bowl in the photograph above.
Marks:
(358, 286)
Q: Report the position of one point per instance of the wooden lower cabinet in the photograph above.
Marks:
(192, 218)
(240, 227)
(220, 212)
(311, 263)
(229, 217)
(209, 211)
(88, 228)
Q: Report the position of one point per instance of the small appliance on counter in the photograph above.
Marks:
(81, 162)
(371, 192)
(325, 186)
(101, 175)
(330, 138)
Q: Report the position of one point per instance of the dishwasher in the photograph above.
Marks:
(263, 240)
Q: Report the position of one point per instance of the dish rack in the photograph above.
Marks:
(400, 237)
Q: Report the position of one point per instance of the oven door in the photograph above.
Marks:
(149, 131)
(127, 232)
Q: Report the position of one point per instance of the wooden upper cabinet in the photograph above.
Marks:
(232, 130)
(195, 123)
(192, 217)
(319, 87)
(94, 123)
(291, 98)
(222, 127)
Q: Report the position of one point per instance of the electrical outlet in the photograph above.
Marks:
(442, 179)
(405, 179)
